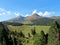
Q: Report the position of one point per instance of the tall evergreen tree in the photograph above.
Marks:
(46, 37)
(4, 38)
(21, 34)
(15, 41)
(33, 31)
(29, 35)
(54, 34)
(41, 39)
(1, 35)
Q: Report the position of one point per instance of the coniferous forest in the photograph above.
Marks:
(52, 37)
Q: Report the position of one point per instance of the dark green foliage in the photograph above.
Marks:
(1, 28)
(15, 41)
(4, 39)
(20, 42)
(54, 34)
(13, 23)
(41, 40)
(5, 33)
(46, 37)
(10, 40)
(21, 34)
(33, 32)
(29, 35)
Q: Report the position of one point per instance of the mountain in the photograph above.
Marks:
(33, 16)
(18, 19)
(43, 21)
(25, 20)
(55, 17)
(28, 19)
(34, 19)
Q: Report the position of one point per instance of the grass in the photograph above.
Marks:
(27, 29)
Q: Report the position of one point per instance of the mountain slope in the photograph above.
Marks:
(28, 19)
(35, 19)
(18, 19)
(43, 21)
(33, 16)
(55, 17)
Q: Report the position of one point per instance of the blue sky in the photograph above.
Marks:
(12, 8)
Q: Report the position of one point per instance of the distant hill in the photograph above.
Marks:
(43, 21)
(55, 17)
(34, 19)
(18, 19)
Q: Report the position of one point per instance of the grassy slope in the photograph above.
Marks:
(26, 29)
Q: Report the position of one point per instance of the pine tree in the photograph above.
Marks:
(29, 35)
(33, 32)
(41, 39)
(1, 35)
(46, 37)
(21, 34)
(54, 34)
(15, 41)
(4, 34)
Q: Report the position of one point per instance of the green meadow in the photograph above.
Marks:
(29, 34)
(27, 29)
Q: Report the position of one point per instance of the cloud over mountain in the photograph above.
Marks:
(46, 13)
(17, 14)
(34, 11)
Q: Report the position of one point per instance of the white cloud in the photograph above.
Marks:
(46, 13)
(40, 13)
(1, 10)
(4, 12)
(0, 14)
(26, 15)
(17, 14)
(9, 12)
(35, 11)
